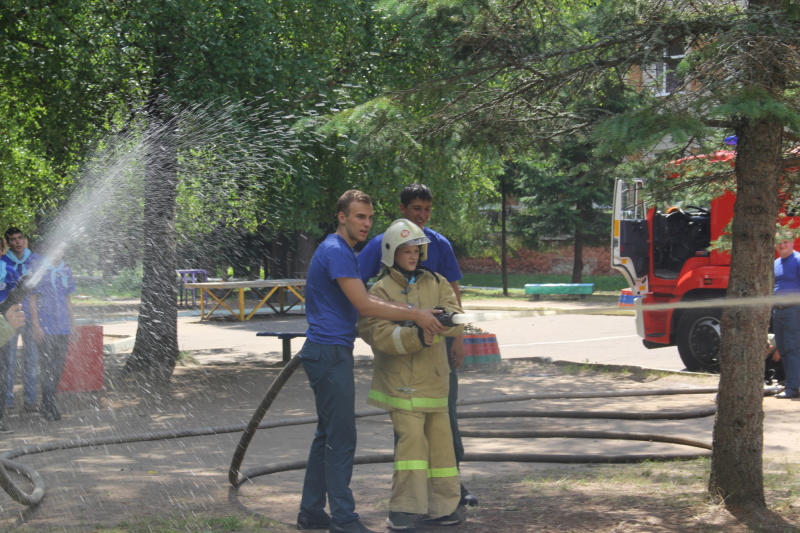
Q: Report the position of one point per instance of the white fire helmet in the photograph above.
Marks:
(403, 232)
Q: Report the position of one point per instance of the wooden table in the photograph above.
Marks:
(263, 288)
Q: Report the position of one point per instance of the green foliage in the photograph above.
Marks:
(379, 150)
(783, 232)
(757, 104)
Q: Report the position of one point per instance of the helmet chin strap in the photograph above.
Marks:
(408, 274)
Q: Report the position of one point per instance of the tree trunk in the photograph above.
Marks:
(736, 464)
(503, 233)
(279, 258)
(156, 349)
(586, 212)
(577, 260)
(306, 245)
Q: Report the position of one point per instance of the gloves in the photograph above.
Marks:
(446, 318)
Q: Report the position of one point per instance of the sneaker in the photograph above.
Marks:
(4, 429)
(306, 522)
(50, 412)
(450, 520)
(30, 408)
(400, 521)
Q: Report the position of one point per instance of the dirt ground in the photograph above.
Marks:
(140, 486)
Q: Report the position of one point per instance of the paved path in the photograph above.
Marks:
(604, 339)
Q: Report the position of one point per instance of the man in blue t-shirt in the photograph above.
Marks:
(786, 318)
(335, 296)
(21, 260)
(416, 203)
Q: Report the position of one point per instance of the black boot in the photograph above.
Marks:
(467, 498)
(49, 411)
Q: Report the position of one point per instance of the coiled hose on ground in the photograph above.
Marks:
(237, 477)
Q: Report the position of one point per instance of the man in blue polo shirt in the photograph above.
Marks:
(335, 296)
(786, 318)
(416, 203)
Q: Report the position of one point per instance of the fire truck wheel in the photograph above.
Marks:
(698, 337)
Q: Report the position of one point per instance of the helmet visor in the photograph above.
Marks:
(412, 242)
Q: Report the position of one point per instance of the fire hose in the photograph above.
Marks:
(34, 496)
(236, 476)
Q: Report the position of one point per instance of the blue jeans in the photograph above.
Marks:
(330, 462)
(5, 351)
(30, 368)
(786, 326)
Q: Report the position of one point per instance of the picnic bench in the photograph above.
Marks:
(286, 337)
(190, 275)
(216, 292)
(538, 289)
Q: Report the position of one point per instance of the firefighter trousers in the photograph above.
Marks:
(425, 479)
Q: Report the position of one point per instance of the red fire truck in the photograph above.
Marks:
(665, 256)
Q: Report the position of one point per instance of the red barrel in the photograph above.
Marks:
(481, 349)
(84, 369)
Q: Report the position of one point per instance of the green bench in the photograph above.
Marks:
(538, 289)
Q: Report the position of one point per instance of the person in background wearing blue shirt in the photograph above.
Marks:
(52, 324)
(786, 318)
(8, 282)
(21, 260)
(335, 296)
(416, 203)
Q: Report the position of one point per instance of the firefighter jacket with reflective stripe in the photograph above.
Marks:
(408, 375)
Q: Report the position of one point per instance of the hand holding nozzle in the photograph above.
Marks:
(15, 316)
(16, 295)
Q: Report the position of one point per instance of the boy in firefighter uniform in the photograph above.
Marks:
(411, 381)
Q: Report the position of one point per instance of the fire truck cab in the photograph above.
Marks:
(664, 255)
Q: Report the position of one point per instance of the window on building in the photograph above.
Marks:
(662, 76)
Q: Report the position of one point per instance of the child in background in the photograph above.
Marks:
(52, 323)
(8, 281)
(411, 381)
(21, 259)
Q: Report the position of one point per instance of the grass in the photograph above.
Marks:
(680, 486)
(195, 524)
(186, 358)
(127, 285)
(606, 298)
(518, 281)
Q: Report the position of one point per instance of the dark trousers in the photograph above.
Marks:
(452, 398)
(786, 325)
(52, 355)
(330, 462)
